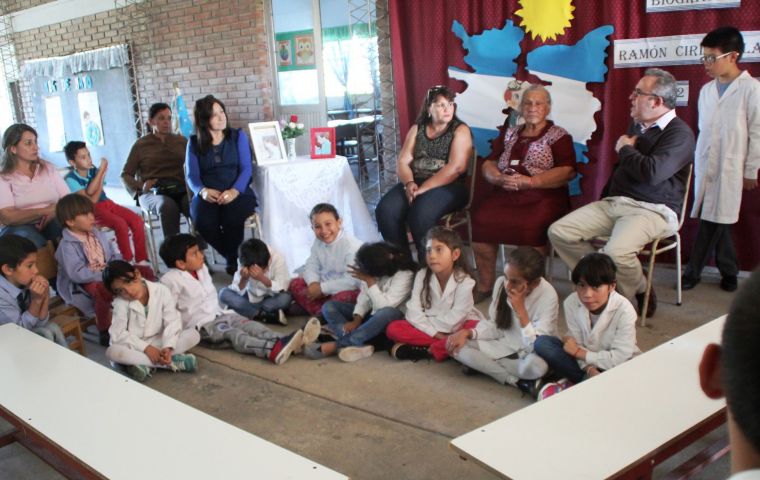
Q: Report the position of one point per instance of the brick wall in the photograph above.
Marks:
(208, 47)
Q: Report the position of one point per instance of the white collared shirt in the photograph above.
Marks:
(661, 122)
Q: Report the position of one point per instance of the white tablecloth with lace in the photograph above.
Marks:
(288, 191)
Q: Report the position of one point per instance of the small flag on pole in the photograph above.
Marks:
(181, 122)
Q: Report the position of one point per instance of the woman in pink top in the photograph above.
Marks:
(29, 188)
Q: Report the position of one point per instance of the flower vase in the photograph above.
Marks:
(291, 148)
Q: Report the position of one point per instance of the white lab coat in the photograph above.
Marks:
(132, 328)
(256, 291)
(196, 300)
(387, 292)
(612, 340)
(542, 305)
(449, 308)
(728, 148)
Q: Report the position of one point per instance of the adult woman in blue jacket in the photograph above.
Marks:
(218, 172)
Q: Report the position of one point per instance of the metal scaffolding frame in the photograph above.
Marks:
(9, 63)
(136, 32)
(373, 15)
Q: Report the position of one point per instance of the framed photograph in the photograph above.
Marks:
(267, 143)
(322, 143)
(284, 53)
(304, 46)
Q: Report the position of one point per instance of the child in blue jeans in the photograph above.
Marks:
(601, 326)
(259, 289)
(24, 294)
(386, 273)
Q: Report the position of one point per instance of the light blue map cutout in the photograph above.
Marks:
(566, 68)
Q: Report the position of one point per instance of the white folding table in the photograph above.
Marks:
(88, 421)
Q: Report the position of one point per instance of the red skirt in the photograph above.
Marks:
(518, 218)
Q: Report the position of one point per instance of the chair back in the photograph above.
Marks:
(472, 170)
(685, 196)
(47, 265)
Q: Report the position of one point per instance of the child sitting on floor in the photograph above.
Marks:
(197, 302)
(441, 301)
(82, 255)
(146, 331)
(85, 179)
(24, 295)
(259, 288)
(386, 273)
(325, 275)
(524, 307)
(601, 326)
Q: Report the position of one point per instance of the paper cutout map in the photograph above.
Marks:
(567, 68)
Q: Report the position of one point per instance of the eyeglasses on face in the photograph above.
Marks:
(443, 105)
(710, 59)
(640, 93)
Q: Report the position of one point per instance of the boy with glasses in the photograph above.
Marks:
(727, 156)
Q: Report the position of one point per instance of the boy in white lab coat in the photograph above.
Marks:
(190, 282)
(727, 156)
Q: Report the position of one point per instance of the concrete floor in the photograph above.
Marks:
(377, 418)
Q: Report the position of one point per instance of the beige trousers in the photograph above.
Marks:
(629, 228)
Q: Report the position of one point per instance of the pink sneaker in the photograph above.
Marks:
(548, 390)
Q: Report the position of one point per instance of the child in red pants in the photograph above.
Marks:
(87, 180)
(325, 275)
(441, 302)
(82, 255)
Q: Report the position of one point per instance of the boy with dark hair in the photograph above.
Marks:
(731, 369)
(601, 326)
(259, 287)
(86, 179)
(727, 155)
(82, 255)
(189, 281)
(24, 294)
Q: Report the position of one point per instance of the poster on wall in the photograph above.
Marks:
(54, 117)
(284, 53)
(304, 49)
(89, 116)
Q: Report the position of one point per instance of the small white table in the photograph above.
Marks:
(100, 424)
(621, 423)
(287, 193)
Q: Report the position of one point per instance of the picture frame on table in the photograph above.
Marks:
(268, 146)
(322, 143)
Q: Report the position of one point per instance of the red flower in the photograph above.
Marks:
(294, 118)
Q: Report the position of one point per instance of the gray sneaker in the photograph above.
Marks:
(139, 373)
(352, 354)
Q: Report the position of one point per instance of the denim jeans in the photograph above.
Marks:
(394, 213)
(338, 313)
(240, 303)
(550, 349)
(52, 231)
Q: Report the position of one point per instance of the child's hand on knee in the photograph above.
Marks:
(153, 354)
(456, 341)
(314, 291)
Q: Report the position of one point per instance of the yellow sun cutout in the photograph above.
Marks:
(545, 18)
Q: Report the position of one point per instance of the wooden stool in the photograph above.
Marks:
(71, 328)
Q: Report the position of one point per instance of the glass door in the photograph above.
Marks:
(298, 58)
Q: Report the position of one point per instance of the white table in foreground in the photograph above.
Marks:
(287, 193)
(123, 430)
(602, 426)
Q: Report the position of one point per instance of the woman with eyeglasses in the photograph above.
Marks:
(431, 169)
(218, 171)
(527, 173)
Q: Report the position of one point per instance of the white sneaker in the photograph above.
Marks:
(291, 344)
(310, 333)
(352, 354)
(281, 317)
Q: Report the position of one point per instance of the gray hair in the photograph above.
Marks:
(664, 87)
(537, 87)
